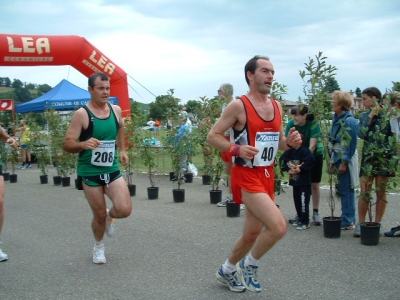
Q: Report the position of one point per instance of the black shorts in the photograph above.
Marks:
(1, 170)
(378, 168)
(101, 180)
(316, 172)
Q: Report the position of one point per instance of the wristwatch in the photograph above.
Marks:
(287, 144)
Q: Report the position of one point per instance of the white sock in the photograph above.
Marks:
(99, 243)
(251, 261)
(228, 268)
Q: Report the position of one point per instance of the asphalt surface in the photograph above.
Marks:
(168, 250)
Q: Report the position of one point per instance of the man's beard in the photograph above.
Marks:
(262, 88)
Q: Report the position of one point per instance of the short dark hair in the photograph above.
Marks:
(94, 76)
(373, 92)
(252, 65)
(299, 110)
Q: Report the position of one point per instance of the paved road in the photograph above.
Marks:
(168, 250)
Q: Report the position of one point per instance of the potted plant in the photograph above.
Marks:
(13, 158)
(208, 114)
(178, 153)
(132, 135)
(216, 192)
(148, 157)
(38, 144)
(66, 166)
(318, 74)
(56, 135)
(190, 148)
(4, 157)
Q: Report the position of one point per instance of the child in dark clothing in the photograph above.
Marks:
(298, 162)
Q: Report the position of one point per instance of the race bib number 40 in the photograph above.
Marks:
(103, 156)
(268, 144)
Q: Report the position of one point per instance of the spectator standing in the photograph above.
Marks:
(298, 162)
(157, 125)
(24, 143)
(344, 155)
(373, 123)
(395, 127)
(305, 123)
(5, 138)
(225, 92)
(151, 124)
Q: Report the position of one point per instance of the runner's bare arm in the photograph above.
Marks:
(121, 136)
(70, 142)
(233, 116)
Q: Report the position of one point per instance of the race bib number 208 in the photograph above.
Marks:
(103, 156)
(268, 144)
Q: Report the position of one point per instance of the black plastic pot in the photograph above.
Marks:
(179, 195)
(132, 189)
(78, 183)
(171, 176)
(13, 178)
(370, 233)
(44, 179)
(57, 180)
(6, 176)
(66, 181)
(152, 192)
(206, 179)
(215, 196)
(188, 177)
(232, 209)
(332, 227)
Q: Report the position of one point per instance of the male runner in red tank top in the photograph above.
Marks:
(258, 134)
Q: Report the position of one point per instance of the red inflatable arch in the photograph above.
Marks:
(40, 50)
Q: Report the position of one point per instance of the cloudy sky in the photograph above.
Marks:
(193, 46)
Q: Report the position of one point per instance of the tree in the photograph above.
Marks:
(22, 95)
(135, 109)
(30, 86)
(396, 86)
(164, 106)
(314, 88)
(315, 78)
(5, 81)
(44, 88)
(193, 107)
(358, 92)
(331, 85)
(17, 84)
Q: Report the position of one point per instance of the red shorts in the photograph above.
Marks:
(225, 154)
(252, 181)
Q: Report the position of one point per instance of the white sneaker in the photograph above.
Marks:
(22, 167)
(3, 256)
(99, 254)
(317, 219)
(223, 202)
(110, 226)
(242, 206)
